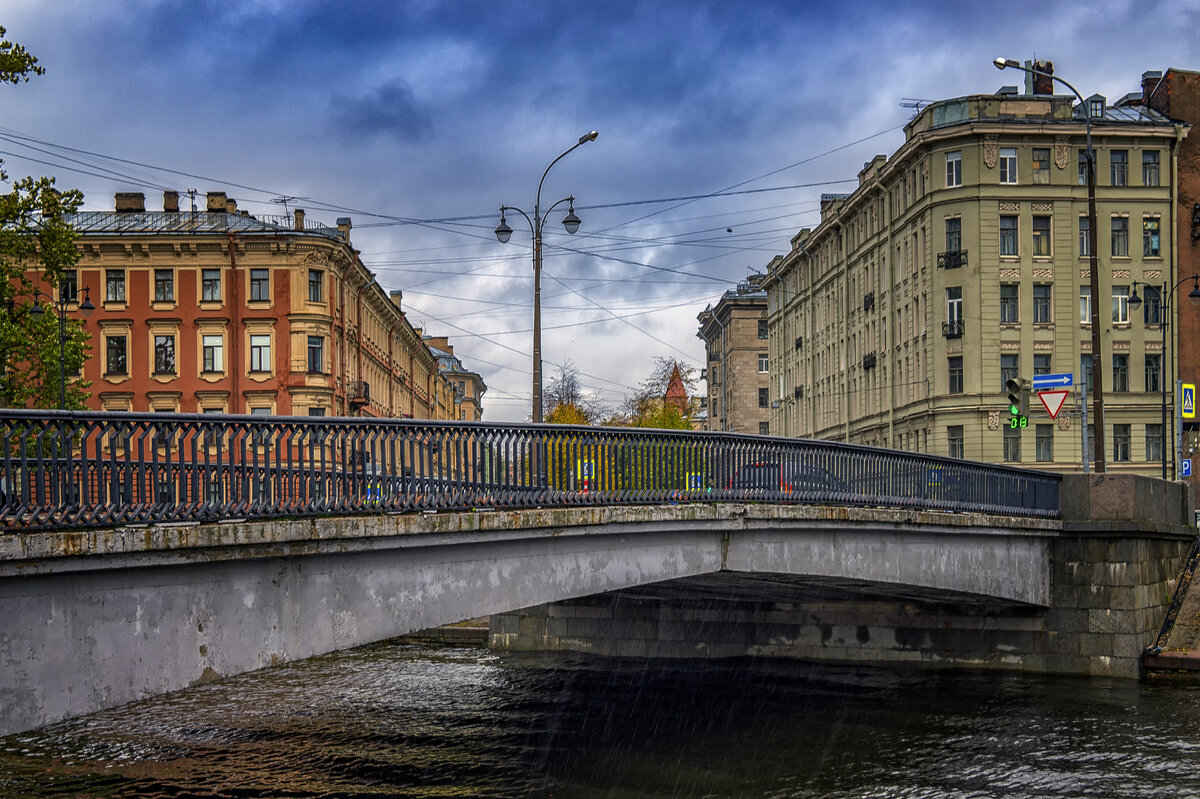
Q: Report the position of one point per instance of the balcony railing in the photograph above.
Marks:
(868, 361)
(64, 469)
(952, 329)
(952, 260)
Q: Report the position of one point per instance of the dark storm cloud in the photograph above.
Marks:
(391, 111)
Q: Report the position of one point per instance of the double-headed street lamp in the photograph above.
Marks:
(504, 233)
(61, 304)
(1093, 267)
(1163, 321)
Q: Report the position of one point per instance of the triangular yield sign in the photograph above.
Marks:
(1053, 400)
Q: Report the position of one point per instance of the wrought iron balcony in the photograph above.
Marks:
(868, 300)
(952, 260)
(868, 361)
(360, 394)
(952, 329)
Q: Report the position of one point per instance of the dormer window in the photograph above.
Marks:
(1096, 104)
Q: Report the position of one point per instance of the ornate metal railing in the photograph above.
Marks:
(952, 260)
(88, 469)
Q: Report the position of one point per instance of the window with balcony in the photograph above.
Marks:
(214, 353)
(1010, 304)
(114, 285)
(1008, 236)
(1041, 303)
(1150, 239)
(1120, 377)
(1118, 165)
(164, 285)
(953, 169)
(1008, 164)
(1120, 237)
(1150, 167)
(210, 285)
(1041, 165)
(164, 355)
(116, 355)
(260, 285)
(260, 353)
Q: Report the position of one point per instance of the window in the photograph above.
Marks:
(260, 285)
(316, 411)
(116, 356)
(1044, 442)
(1121, 443)
(1120, 372)
(953, 234)
(1041, 165)
(316, 354)
(764, 429)
(1041, 363)
(762, 328)
(210, 285)
(1008, 235)
(1085, 237)
(164, 355)
(954, 441)
(114, 285)
(1120, 305)
(1153, 372)
(260, 353)
(164, 285)
(1085, 367)
(68, 285)
(763, 363)
(1041, 303)
(1154, 442)
(1008, 164)
(954, 169)
(214, 353)
(955, 364)
(762, 398)
(1150, 167)
(1009, 304)
(1085, 305)
(1150, 240)
(1009, 367)
(1118, 165)
(1041, 236)
(1152, 305)
(1120, 237)
(1083, 168)
(316, 280)
(954, 304)
(1012, 445)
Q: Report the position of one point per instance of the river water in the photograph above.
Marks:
(399, 720)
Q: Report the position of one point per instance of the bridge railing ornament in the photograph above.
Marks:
(64, 469)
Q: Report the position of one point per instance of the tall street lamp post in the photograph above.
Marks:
(1093, 267)
(61, 305)
(504, 233)
(1165, 305)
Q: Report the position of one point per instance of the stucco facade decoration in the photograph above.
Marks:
(962, 260)
(220, 311)
(734, 332)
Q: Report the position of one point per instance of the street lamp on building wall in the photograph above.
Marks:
(504, 233)
(1093, 267)
(61, 305)
(1164, 320)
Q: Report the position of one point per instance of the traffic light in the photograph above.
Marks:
(1018, 403)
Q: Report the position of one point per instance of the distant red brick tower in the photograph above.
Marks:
(676, 394)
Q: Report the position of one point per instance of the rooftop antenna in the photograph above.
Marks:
(914, 103)
(285, 199)
(192, 193)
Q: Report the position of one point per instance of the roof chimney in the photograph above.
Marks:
(299, 219)
(1150, 81)
(343, 225)
(1043, 84)
(397, 296)
(171, 202)
(216, 202)
(128, 202)
(230, 205)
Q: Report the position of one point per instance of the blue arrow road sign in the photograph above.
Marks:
(1060, 380)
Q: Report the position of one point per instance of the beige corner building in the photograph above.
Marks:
(734, 332)
(961, 261)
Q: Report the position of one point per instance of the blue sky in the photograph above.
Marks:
(401, 114)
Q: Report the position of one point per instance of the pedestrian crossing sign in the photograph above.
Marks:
(1187, 405)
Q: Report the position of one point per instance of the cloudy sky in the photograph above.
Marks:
(720, 124)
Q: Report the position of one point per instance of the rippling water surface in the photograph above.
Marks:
(398, 720)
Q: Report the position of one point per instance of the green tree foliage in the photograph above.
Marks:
(648, 407)
(36, 246)
(566, 401)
